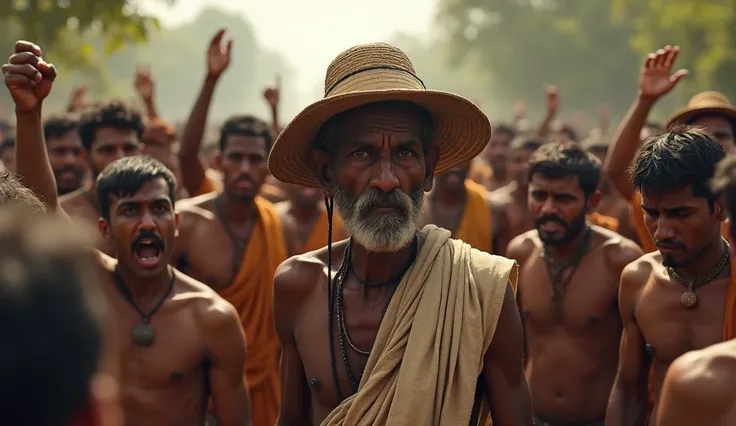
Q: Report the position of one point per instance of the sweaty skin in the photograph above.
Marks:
(698, 388)
(571, 344)
(170, 381)
(389, 135)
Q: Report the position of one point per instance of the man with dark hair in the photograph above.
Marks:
(160, 141)
(496, 154)
(233, 240)
(568, 288)
(7, 151)
(513, 196)
(697, 388)
(108, 131)
(66, 154)
(672, 300)
(465, 208)
(181, 343)
(50, 303)
(710, 111)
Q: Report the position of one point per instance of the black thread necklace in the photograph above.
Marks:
(343, 335)
(144, 334)
(555, 269)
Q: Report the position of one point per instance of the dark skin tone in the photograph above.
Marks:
(657, 327)
(496, 155)
(110, 144)
(512, 198)
(613, 204)
(299, 215)
(7, 155)
(68, 160)
(570, 342)
(446, 206)
(169, 382)
(204, 250)
(380, 148)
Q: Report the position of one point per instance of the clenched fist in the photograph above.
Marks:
(28, 77)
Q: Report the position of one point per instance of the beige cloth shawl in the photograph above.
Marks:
(417, 374)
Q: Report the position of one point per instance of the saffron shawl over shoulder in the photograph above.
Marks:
(417, 373)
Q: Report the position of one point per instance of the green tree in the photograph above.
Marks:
(704, 29)
(525, 44)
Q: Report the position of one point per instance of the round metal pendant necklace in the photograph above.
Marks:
(144, 334)
(689, 298)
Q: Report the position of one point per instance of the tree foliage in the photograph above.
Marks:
(592, 49)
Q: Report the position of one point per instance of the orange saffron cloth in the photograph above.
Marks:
(251, 293)
(318, 237)
(480, 172)
(475, 226)
(608, 222)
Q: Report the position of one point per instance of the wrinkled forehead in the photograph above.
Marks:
(364, 122)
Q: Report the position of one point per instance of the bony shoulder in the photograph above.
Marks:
(197, 201)
(522, 245)
(299, 271)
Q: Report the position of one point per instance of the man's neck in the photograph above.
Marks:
(705, 263)
(237, 211)
(565, 251)
(378, 267)
(145, 291)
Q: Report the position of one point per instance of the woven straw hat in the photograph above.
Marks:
(372, 73)
(704, 103)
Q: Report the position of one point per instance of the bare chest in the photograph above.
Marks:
(340, 357)
(671, 329)
(583, 300)
(213, 256)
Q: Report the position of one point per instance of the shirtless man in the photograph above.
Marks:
(496, 154)
(376, 160)
(52, 305)
(179, 343)
(568, 289)
(513, 197)
(465, 208)
(66, 153)
(109, 131)
(672, 300)
(709, 110)
(698, 387)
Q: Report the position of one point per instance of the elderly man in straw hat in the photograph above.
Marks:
(392, 326)
(709, 110)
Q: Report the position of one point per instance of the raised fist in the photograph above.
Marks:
(28, 77)
(271, 95)
(144, 82)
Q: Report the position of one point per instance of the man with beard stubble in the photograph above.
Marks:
(66, 153)
(672, 300)
(179, 343)
(374, 144)
(568, 289)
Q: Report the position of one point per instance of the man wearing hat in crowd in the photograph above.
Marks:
(391, 305)
(709, 110)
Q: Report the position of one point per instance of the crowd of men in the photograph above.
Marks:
(387, 258)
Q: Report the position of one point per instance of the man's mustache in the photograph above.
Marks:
(144, 235)
(550, 218)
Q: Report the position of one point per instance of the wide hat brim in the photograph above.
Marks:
(462, 130)
(687, 115)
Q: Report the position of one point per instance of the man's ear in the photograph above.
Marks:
(430, 164)
(325, 173)
(104, 227)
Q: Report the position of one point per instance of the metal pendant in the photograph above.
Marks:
(688, 299)
(143, 335)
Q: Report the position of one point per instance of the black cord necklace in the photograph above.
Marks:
(144, 334)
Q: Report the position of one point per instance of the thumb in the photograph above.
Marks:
(679, 75)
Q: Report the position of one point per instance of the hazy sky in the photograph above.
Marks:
(309, 33)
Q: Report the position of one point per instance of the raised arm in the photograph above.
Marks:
(627, 405)
(226, 354)
(553, 104)
(218, 59)
(29, 79)
(289, 291)
(145, 86)
(655, 82)
(503, 372)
